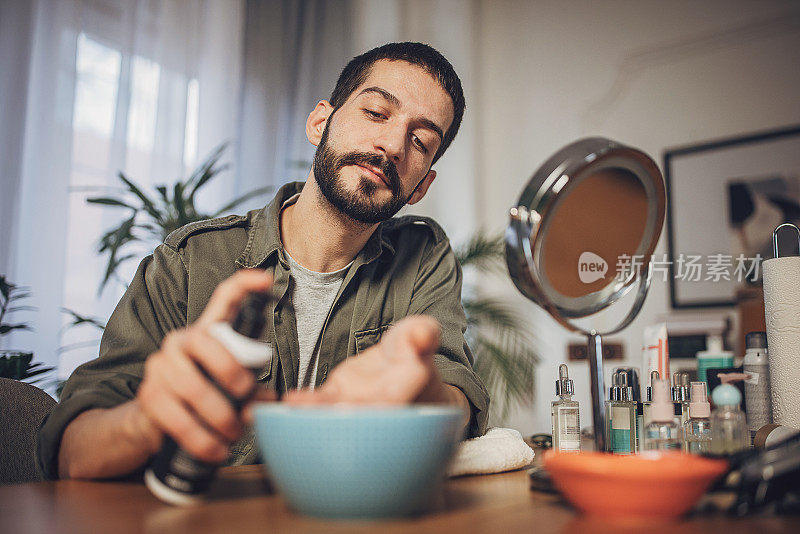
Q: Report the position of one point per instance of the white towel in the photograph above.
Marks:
(500, 449)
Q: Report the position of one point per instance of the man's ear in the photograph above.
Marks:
(317, 119)
(422, 188)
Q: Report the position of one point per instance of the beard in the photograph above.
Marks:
(361, 204)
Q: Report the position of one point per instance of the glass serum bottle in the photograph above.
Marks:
(662, 433)
(646, 405)
(697, 429)
(680, 397)
(729, 433)
(565, 415)
(621, 416)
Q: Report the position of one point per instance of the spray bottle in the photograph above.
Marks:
(756, 386)
(173, 475)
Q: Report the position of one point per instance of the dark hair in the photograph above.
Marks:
(357, 70)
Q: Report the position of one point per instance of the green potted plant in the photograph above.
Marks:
(16, 364)
(505, 353)
(153, 216)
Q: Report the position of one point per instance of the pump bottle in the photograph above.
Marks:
(173, 475)
(662, 433)
(565, 415)
(697, 429)
(714, 356)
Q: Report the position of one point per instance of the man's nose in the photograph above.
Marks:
(391, 140)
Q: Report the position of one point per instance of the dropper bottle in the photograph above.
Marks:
(648, 403)
(662, 433)
(680, 397)
(173, 475)
(565, 415)
(697, 429)
(622, 416)
(729, 432)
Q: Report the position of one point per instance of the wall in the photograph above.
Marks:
(651, 74)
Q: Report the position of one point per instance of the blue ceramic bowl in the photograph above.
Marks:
(354, 461)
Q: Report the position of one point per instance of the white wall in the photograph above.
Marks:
(650, 74)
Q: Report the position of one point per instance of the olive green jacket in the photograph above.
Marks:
(406, 267)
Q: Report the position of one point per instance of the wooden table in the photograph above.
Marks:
(242, 501)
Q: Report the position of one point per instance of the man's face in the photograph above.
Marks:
(378, 146)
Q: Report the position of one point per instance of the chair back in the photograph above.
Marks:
(22, 409)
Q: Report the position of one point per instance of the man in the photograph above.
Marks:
(331, 248)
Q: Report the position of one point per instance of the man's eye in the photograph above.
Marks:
(374, 114)
(420, 144)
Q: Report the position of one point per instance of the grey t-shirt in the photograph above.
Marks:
(313, 294)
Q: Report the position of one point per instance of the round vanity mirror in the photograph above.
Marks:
(581, 236)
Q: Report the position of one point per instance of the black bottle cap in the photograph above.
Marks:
(756, 340)
(250, 319)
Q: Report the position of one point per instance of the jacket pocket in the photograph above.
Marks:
(366, 338)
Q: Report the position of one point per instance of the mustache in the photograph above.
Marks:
(373, 160)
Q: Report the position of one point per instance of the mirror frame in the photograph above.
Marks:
(542, 196)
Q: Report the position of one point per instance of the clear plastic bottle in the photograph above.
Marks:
(697, 429)
(662, 433)
(729, 433)
(565, 414)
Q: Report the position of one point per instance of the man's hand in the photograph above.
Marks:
(174, 398)
(398, 370)
(175, 395)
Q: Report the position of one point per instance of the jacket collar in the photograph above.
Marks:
(264, 234)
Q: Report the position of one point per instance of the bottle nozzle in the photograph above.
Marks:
(564, 386)
(699, 406)
(662, 409)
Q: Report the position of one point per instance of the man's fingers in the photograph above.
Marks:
(184, 379)
(226, 298)
(176, 420)
(419, 333)
(262, 394)
(220, 364)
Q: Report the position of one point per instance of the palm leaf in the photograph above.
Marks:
(207, 170)
(6, 328)
(148, 204)
(179, 203)
(112, 241)
(482, 252)
(490, 312)
(234, 203)
(505, 354)
(107, 201)
(506, 361)
(78, 319)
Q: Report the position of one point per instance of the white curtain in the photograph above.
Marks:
(145, 87)
(294, 51)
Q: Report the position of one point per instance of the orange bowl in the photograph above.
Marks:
(650, 485)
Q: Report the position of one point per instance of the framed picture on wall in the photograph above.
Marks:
(724, 199)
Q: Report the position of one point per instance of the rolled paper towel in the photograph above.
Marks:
(782, 305)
